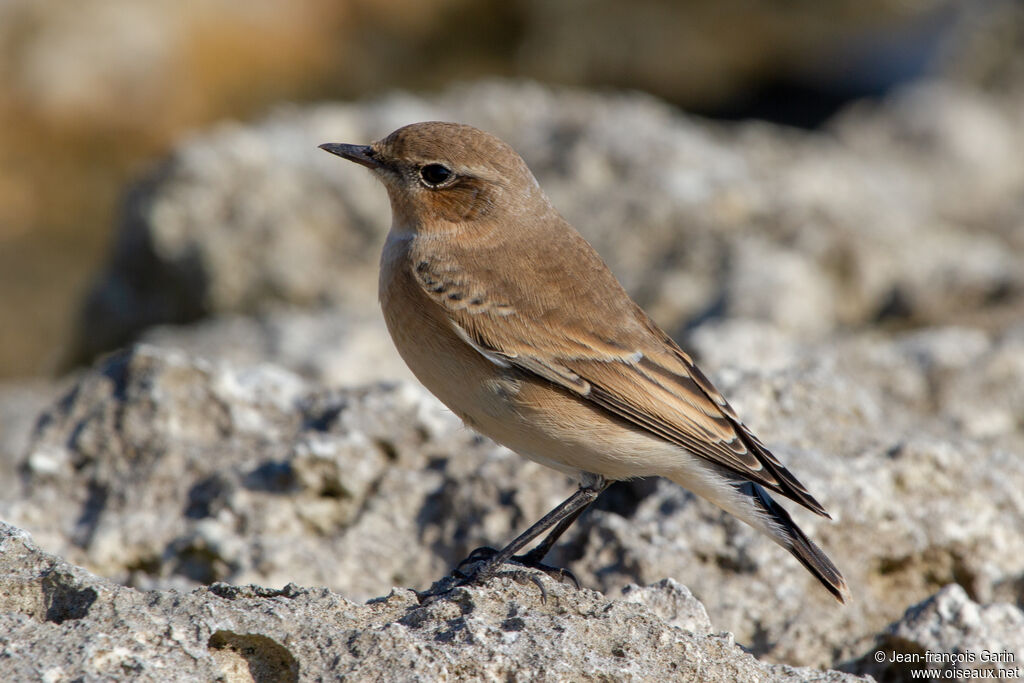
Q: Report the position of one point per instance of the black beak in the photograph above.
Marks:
(361, 154)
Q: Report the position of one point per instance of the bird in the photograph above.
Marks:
(504, 311)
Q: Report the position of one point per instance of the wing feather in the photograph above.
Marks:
(636, 373)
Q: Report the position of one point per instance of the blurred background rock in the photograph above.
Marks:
(93, 91)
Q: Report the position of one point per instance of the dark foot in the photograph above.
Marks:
(529, 560)
(483, 570)
(554, 524)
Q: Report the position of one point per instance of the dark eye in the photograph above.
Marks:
(435, 174)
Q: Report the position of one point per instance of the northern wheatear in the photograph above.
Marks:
(515, 323)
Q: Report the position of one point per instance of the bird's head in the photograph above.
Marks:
(443, 175)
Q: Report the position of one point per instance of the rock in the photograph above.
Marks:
(94, 89)
(856, 291)
(163, 470)
(953, 636)
(672, 602)
(870, 427)
(21, 402)
(816, 274)
(329, 346)
(60, 622)
(985, 48)
(899, 212)
(159, 469)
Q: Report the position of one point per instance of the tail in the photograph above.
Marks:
(786, 533)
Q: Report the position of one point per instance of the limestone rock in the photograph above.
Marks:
(951, 633)
(901, 211)
(160, 469)
(163, 470)
(332, 347)
(856, 293)
(58, 622)
(919, 497)
(20, 405)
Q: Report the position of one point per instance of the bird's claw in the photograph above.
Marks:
(484, 554)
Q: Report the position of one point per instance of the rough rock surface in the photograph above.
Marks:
(914, 445)
(159, 469)
(986, 639)
(335, 348)
(59, 623)
(20, 405)
(900, 211)
(163, 470)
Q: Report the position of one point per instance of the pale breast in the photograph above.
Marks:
(472, 387)
(529, 415)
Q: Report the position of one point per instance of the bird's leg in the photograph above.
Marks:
(541, 549)
(561, 518)
(534, 557)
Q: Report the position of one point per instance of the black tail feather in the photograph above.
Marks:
(797, 543)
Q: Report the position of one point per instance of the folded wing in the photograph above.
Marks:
(634, 371)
